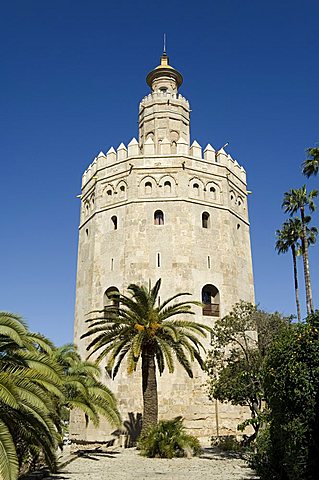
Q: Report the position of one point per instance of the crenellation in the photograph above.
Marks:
(121, 152)
(209, 153)
(157, 97)
(133, 148)
(101, 161)
(195, 150)
(182, 146)
(111, 156)
(165, 146)
(149, 147)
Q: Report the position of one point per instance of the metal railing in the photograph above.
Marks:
(211, 309)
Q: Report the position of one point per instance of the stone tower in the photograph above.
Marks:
(162, 208)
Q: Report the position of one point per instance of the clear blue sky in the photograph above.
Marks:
(72, 74)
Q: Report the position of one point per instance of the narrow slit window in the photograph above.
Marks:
(208, 261)
(112, 264)
(158, 259)
(205, 220)
(114, 222)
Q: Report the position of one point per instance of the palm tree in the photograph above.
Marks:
(287, 238)
(27, 378)
(140, 328)
(311, 165)
(82, 388)
(295, 200)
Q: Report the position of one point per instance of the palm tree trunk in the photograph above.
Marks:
(149, 385)
(294, 260)
(304, 244)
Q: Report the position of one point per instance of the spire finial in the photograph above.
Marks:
(164, 49)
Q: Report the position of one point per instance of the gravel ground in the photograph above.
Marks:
(127, 464)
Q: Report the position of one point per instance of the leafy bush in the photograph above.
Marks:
(289, 447)
(228, 443)
(261, 460)
(168, 439)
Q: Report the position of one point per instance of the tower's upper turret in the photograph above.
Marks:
(164, 113)
(164, 78)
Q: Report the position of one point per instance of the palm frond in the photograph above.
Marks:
(9, 467)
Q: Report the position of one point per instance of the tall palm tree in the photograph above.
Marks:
(311, 164)
(298, 200)
(140, 328)
(287, 238)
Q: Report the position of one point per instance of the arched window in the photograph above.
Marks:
(174, 147)
(158, 217)
(205, 220)
(111, 300)
(167, 187)
(196, 189)
(122, 191)
(210, 300)
(148, 188)
(109, 192)
(114, 222)
(212, 191)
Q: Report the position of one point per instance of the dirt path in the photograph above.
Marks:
(118, 464)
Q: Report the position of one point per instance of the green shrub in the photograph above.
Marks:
(288, 449)
(261, 460)
(168, 439)
(228, 443)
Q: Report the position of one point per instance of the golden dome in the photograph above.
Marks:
(164, 70)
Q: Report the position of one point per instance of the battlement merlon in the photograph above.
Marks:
(193, 157)
(164, 97)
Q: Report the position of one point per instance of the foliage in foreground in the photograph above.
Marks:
(168, 439)
(39, 384)
(138, 328)
(240, 343)
(229, 443)
(288, 448)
